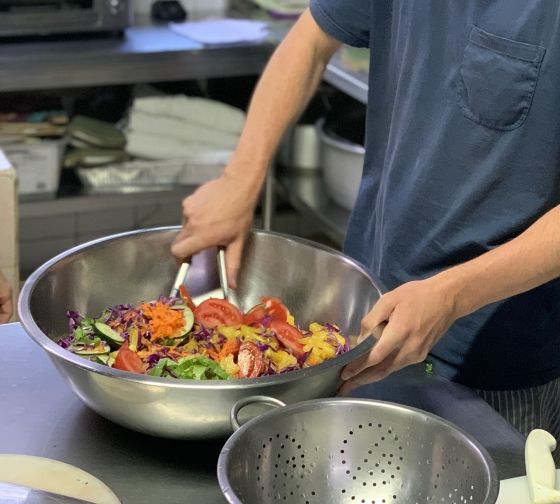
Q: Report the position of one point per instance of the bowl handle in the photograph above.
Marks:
(239, 405)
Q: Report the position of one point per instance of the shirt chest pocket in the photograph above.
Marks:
(497, 79)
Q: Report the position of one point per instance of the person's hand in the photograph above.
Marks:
(6, 303)
(416, 314)
(219, 213)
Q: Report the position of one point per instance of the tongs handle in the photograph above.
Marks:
(223, 272)
(180, 278)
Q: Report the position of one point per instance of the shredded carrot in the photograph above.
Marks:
(163, 321)
(230, 347)
(210, 352)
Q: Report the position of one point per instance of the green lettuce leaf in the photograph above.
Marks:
(190, 368)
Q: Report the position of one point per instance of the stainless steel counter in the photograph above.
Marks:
(41, 416)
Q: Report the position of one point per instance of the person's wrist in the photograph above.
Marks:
(246, 168)
(246, 178)
(452, 283)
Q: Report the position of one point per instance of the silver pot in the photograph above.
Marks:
(342, 162)
(317, 283)
(300, 148)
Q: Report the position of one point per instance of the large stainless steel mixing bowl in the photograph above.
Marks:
(317, 283)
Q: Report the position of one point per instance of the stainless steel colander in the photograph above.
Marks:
(334, 451)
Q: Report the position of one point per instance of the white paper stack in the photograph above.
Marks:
(222, 31)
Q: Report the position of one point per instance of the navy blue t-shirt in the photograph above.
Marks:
(463, 154)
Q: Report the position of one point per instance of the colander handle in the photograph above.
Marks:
(246, 401)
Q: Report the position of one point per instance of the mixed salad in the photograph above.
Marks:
(212, 341)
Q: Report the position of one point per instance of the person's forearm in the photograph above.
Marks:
(531, 259)
(286, 86)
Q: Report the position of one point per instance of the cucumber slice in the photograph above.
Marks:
(108, 334)
(102, 359)
(101, 349)
(188, 315)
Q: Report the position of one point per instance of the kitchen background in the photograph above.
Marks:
(110, 124)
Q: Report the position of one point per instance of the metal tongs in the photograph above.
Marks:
(184, 268)
(223, 272)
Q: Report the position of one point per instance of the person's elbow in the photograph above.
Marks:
(6, 301)
(307, 31)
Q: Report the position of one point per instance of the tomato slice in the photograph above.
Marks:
(255, 315)
(289, 336)
(250, 360)
(187, 297)
(215, 312)
(275, 308)
(127, 360)
(270, 307)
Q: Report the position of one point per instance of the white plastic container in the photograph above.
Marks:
(37, 164)
(342, 162)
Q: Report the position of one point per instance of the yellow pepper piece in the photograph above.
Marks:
(313, 359)
(281, 359)
(229, 332)
(229, 366)
(191, 346)
(249, 332)
(314, 327)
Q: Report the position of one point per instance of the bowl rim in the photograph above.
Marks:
(223, 459)
(57, 352)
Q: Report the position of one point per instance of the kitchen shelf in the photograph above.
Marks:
(305, 191)
(157, 54)
(93, 202)
(142, 54)
(146, 54)
(354, 84)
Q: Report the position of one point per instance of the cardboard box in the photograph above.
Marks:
(12, 275)
(37, 165)
(9, 256)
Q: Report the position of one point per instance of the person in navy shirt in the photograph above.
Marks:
(457, 213)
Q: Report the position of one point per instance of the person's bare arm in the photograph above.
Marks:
(419, 313)
(221, 212)
(6, 302)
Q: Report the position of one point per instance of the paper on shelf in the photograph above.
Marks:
(222, 31)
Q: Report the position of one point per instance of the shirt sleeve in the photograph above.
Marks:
(346, 20)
